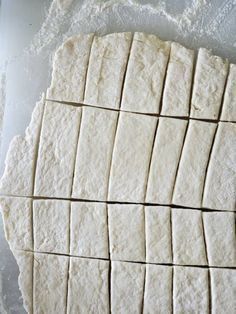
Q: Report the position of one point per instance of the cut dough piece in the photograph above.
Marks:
(188, 237)
(131, 157)
(220, 187)
(208, 86)
(88, 287)
(126, 232)
(229, 104)
(57, 150)
(89, 233)
(145, 74)
(50, 283)
(106, 70)
(127, 284)
(158, 234)
(18, 176)
(223, 287)
(193, 164)
(165, 159)
(220, 238)
(176, 96)
(17, 219)
(158, 290)
(190, 290)
(51, 226)
(94, 153)
(69, 69)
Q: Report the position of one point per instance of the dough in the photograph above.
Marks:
(158, 234)
(145, 75)
(178, 83)
(229, 104)
(57, 150)
(165, 158)
(131, 157)
(193, 164)
(126, 232)
(106, 70)
(89, 230)
(94, 153)
(51, 220)
(208, 86)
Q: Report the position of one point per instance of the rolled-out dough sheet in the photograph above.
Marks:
(126, 232)
(127, 285)
(190, 178)
(190, 290)
(229, 104)
(158, 290)
(17, 219)
(50, 283)
(223, 291)
(176, 95)
(93, 160)
(145, 74)
(131, 157)
(220, 238)
(51, 221)
(220, 186)
(158, 234)
(188, 237)
(88, 287)
(208, 86)
(69, 69)
(106, 70)
(89, 230)
(165, 158)
(18, 176)
(57, 150)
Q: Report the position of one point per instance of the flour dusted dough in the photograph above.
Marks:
(69, 69)
(88, 287)
(127, 284)
(106, 70)
(229, 104)
(158, 234)
(176, 96)
(165, 158)
(145, 74)
(208, 85)
(89, 230)
(193, 163)
(94, 154)
(131, 157)
(57, 150)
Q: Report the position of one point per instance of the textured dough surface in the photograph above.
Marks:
(229, 104)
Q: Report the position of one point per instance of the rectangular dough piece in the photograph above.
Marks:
(89, 230)
(158, 289)
(69, 69)
(220, 236)
(131, 157)
(158, 234)
(220, 186)
(165, 159)
(177, 90)
(51, 219)
(145, 74)
(229, 104)
(127, 287)
(188, 237)
(223, 290)
(94, 153)
(50, 283)
(57, 150)
(106, 70)
(190, 290)
(208, 86)
(195, 156)
(88, 287)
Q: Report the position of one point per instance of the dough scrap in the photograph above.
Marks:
(229, 104)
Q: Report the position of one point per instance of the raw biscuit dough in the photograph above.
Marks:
(229, 104)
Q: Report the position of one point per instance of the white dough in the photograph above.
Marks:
(229, 104)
